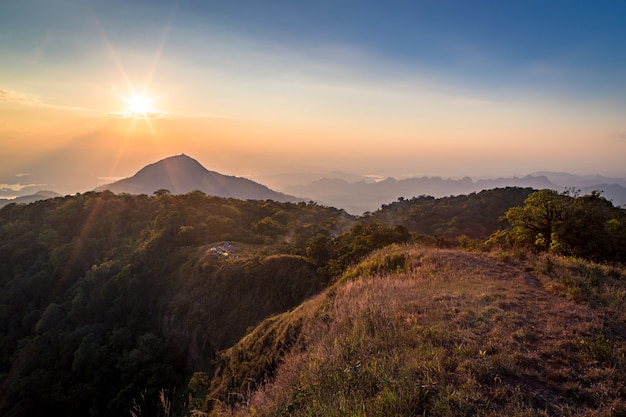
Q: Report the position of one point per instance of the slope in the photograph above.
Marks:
(417, 331)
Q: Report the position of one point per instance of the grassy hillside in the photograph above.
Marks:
(420, 331)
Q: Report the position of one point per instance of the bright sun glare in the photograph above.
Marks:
(139, 105)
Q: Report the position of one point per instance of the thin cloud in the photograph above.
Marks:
(18, 186)
(196, 116)
(619, 135)
(135, 115)
(159, 115)
(11, 96)
(108, 180)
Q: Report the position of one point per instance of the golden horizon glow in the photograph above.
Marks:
(239, 104)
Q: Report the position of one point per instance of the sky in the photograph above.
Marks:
(92, 91)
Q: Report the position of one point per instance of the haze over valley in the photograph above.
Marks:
(354, 193)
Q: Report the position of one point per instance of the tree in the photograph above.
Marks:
(535, 223)
(586, 226)
(319, 249)
(161, 191)
(591, 229)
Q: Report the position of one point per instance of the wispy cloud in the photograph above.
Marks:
(136, 115)
(11, 188)
(11, 96)
(619, 135)
(158, 114)
(108, 179)
(18, 186)
(198, 116)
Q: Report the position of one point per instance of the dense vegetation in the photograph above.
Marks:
(109, 299)
(474, 215)
(587, 227)
(123, 305)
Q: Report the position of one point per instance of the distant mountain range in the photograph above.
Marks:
(352, 192)
(181, 174)
(364, 195)
(25, 199)
(367, 195)
(564, 179)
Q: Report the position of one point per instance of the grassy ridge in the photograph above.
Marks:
(442, 332)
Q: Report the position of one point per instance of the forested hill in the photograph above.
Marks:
(109, 304)
(475, 215)
(107, 298)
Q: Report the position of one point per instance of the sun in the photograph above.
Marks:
(139, 105)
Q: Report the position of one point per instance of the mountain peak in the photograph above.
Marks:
(173, 166)
(181, 160)
(181, 174)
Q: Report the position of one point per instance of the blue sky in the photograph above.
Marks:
(453, 87)
(474, 41)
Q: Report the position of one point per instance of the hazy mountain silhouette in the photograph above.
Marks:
(361, 196)
(25, 199)
(280, 181)
(181, 174)
(565, 179)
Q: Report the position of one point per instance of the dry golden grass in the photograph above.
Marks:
(447, 333)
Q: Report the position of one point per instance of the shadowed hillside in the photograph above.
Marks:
(475, 215)
(108, 300)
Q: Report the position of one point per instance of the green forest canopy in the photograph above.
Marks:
(110, 299)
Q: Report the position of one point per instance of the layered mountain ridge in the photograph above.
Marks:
(366, 195)
(354, 193)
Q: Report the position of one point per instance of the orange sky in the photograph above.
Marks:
(248, 99)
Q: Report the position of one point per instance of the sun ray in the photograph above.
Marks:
(157, 55)
(139, 109)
